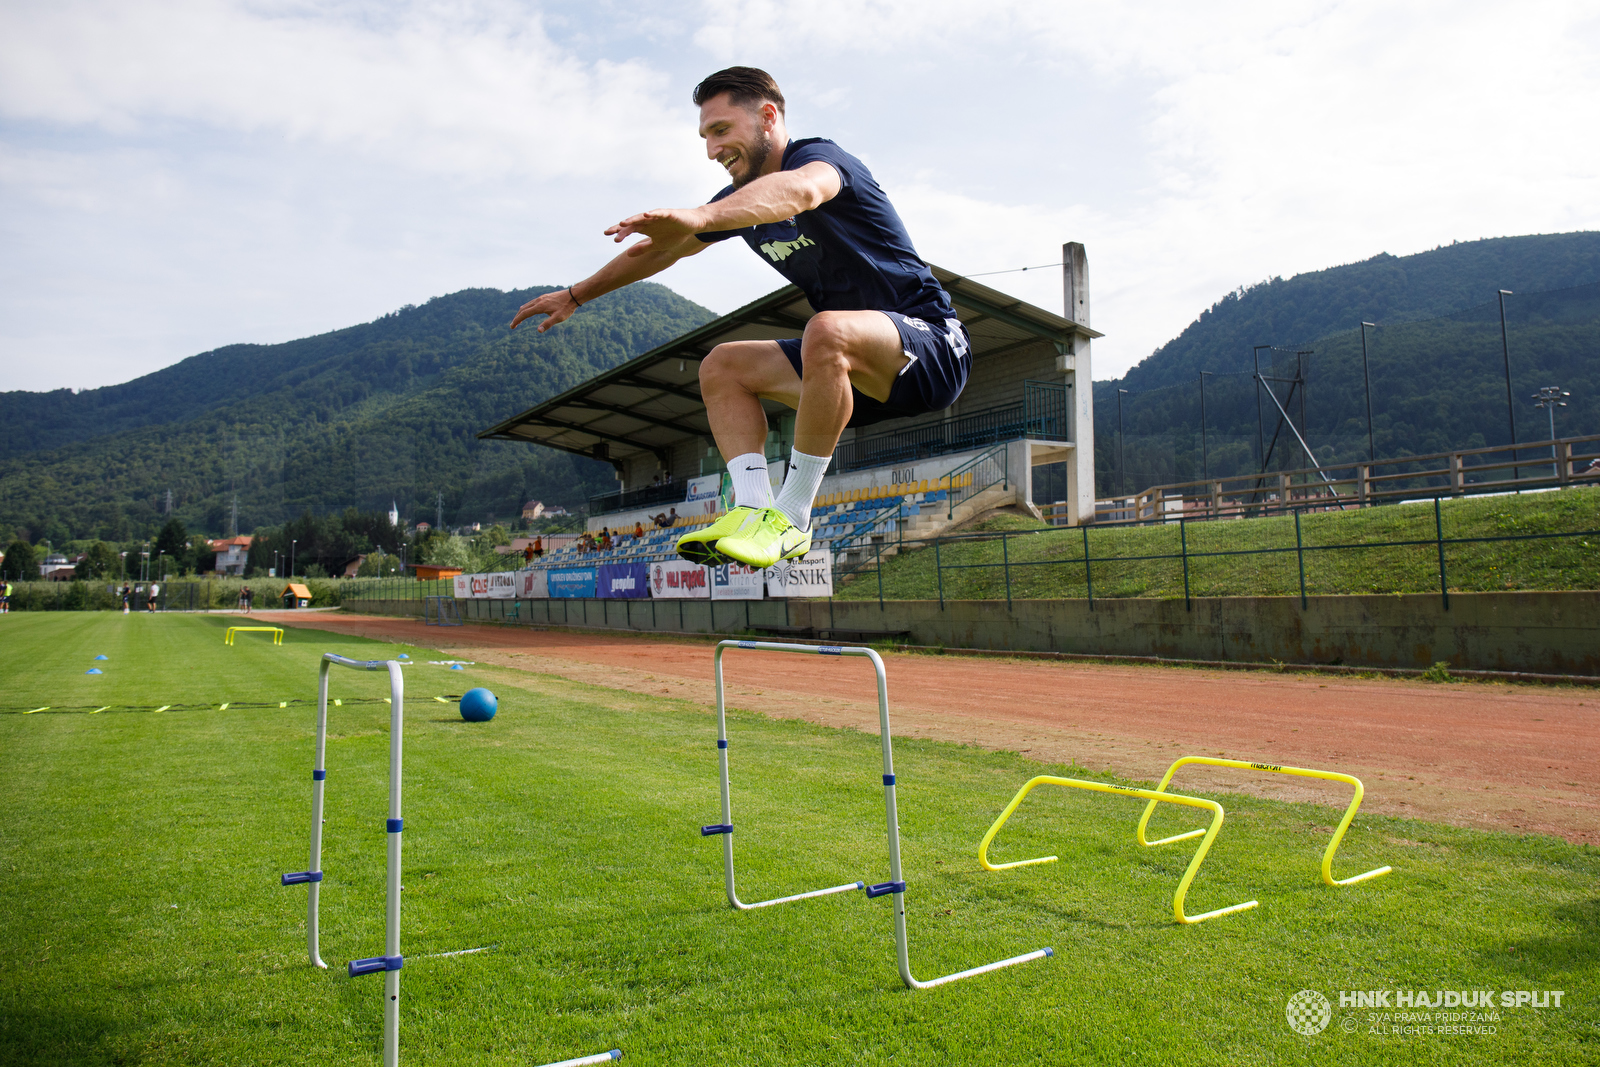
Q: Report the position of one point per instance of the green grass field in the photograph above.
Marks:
(1042, 564)
(144, 923)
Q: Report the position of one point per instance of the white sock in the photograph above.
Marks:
(752, 485)
(800, 487)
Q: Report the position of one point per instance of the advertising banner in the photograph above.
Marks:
(535, 586)
(809, 576)
(624, 581)
(676, 579)
(735, 581)
(571, 582)
(707, 487)
(501, 585)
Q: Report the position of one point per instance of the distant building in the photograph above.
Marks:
(394, 514)
(423, 527)
(233, 554)
(533, 509)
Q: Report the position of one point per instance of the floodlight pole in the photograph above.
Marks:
(1205, 456)
(1122, 470)
(1261, 434)
(1511, 411)
(291, 558)
(1550, 398)
(1366, 380)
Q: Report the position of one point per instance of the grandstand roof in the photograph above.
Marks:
(653, 400)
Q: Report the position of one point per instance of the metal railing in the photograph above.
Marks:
(628, 499)
(1466, 472)
(1042, 413)
(974, 476)
(1083, 559)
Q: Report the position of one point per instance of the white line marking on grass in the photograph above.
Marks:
(457, 952)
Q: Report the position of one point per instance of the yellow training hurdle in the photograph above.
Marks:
(1332, 776)
(1154, 798)
(275, 631)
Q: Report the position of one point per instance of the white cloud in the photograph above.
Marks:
(178, 175)
(432, 87)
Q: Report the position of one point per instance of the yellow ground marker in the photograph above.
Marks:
(1332, 776)
(1153, 797)
(97, 711)
(338, 703)
(441, 700)
(275, 631)
(224, 707)
(162, 708)
(283, 703)
(36, 710)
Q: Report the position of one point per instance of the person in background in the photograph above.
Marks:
(248, 597)
(5, 598)
(150, 601)
(538, 547)
(666, 520)
(638, 530)
(127, 597)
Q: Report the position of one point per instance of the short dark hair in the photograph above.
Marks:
(745, 86)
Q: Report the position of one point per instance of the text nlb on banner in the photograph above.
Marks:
(501, 585)
(623, 581)
(735, 581)
(535, 585)
(810, 576)
(674, 579)
(572, 582)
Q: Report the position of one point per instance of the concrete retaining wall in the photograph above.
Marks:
(1541, 633)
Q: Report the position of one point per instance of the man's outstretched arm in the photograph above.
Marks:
(624, 269)
(770, 198)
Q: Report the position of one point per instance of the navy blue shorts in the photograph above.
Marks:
(941, 358)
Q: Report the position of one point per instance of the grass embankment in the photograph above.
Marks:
(1049, 564)
(144, 921)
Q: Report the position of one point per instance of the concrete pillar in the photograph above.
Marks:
(1078, 367)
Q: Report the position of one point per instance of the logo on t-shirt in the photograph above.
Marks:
(779, 251)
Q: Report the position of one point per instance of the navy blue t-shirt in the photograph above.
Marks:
(851, 253)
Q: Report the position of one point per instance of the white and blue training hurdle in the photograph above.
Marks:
(896, 884)
(391, 961)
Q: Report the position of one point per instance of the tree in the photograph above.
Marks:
(20, 565)
(173, 542)
(100, 560)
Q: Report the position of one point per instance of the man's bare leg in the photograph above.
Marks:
(840, 349)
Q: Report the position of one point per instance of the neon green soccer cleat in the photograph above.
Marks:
(700, 546)
(764, 539)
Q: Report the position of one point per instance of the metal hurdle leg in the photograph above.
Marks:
(1331, 776)
(392, 960)
(725, 827)
(896, 884)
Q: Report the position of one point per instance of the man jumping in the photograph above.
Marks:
(885, 342)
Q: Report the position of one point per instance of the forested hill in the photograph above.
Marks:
(355, 417)
(1435, 359)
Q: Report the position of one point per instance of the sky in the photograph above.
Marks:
(182, 175)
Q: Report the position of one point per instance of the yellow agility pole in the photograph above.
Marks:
(275, 631)
(1143, 794)
(1332, 776)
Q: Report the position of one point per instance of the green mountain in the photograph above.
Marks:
(1435, 359)
(381, 412)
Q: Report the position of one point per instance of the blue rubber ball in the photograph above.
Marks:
(478, 705)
